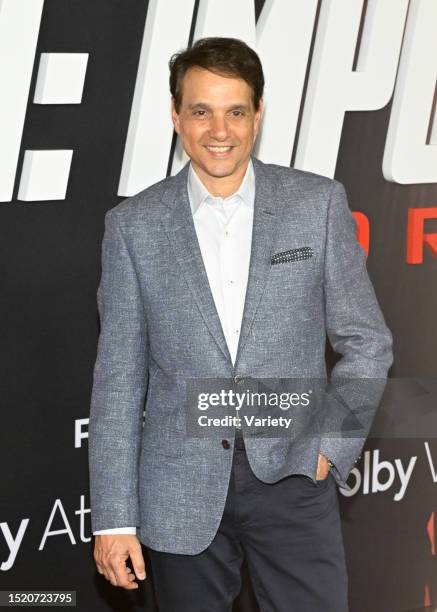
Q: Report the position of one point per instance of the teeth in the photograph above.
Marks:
(219, 149)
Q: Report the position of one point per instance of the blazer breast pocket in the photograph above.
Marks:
(292, 255)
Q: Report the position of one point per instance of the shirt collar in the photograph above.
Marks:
(198, 193)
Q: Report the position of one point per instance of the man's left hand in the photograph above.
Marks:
(323, 467)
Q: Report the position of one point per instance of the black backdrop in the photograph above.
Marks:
(50, 269)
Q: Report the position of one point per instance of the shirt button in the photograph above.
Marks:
(238, 379)
(225, 443)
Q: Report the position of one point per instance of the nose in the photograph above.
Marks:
(218, 128)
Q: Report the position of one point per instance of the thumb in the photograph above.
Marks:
(138, 563)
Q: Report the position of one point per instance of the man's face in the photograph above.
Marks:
(217, 123)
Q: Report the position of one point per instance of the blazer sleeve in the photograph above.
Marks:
(119, 387)
(357, 331)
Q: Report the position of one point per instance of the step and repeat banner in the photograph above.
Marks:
(84, 123)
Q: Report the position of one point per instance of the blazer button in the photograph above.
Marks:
(238, 379)
(225, 443)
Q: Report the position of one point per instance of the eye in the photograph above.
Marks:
(199, 113)
(237, 113)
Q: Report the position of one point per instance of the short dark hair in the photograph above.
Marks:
(224, 56)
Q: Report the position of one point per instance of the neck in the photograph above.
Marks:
(222, 186)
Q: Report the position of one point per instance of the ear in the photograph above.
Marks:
(258, 115)
(174, 116)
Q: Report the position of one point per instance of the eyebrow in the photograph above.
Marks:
(232, 107)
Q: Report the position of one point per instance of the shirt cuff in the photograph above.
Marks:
(115, 530)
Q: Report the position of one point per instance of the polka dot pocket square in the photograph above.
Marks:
(292, 255)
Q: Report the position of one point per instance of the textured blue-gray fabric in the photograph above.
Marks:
(160, 328)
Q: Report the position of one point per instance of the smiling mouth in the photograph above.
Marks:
(217, 149)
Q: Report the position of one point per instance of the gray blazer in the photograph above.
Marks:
(160, 328)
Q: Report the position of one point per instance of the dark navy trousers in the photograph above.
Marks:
(290, 534)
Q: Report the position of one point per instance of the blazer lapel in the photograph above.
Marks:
(265, 220)
(179, 225)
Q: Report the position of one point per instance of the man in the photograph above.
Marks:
(232, 269)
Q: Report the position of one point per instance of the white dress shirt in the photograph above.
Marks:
(224, 231)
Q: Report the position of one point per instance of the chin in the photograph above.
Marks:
(219, 172)
(220, 169)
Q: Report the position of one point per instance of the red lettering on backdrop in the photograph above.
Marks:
(431, 535)
(416, 236)
(363, 230)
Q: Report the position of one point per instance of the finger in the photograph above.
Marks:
(104, 567)
(99, 567)
(111, 577)
(131, 576)
(138, 562)
(102, 571)
(120, 570)
(112, 563)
